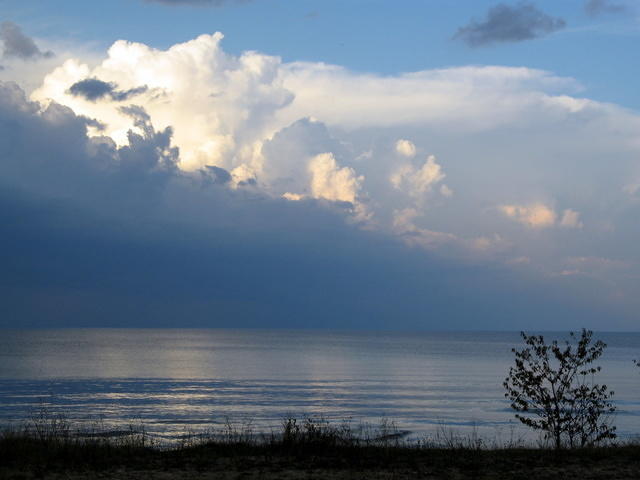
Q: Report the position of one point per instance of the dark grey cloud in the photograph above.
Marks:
(218, 175)
(92, 122)
(602, 7)
(94, 89)
(92, 234)
(122, 95)
(16, 44)
(508, 24)
(199, 3)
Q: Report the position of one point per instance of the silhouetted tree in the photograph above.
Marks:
(552, 388)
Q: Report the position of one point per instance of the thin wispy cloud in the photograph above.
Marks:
(595, 8)
(509, 24)
(197, 3)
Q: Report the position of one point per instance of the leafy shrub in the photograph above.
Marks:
(552, 388)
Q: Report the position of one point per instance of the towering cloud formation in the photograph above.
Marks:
(504, 168)
(212, 100)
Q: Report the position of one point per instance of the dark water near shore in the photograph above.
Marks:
(174, 380)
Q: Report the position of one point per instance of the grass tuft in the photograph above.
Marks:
(49, 446)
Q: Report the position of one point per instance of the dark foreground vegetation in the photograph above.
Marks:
(309, 449)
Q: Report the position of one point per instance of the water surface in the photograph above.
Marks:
(174, 380)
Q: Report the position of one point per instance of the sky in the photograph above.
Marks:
(413, 165)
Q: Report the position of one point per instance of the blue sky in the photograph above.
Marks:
(364, 35)
(362, 164)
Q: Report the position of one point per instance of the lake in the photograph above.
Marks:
(173, 380)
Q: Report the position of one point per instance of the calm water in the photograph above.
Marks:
(172, 380)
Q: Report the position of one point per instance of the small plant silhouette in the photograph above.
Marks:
(552, 388)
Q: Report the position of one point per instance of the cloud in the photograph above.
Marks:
(96, 234)
(539, 216)
(456, 97)
(406, 148)
(445, 191)
(205, 94)
(331, 182)
(597, 263)
(417, 181)
(94, 89)
(294, 197)
(91, 88)
(632, 189)
(323, 139)
(404, 225)
(595, 8)
(570, 219)
(198, 3)
(16, 44)
(536, 215)
(509, 24)
(220, 175)
(223, 107)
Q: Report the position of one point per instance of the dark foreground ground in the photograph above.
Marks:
(26, 457)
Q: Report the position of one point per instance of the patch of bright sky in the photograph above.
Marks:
(365, 35)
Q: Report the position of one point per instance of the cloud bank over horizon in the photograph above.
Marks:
(274, 189)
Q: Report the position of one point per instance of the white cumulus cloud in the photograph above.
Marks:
(421, 179)
(536, 215)
(216, 103)
(331, 182)
(406, 148)
(539, 216)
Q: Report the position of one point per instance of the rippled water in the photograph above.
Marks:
(174, 380)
